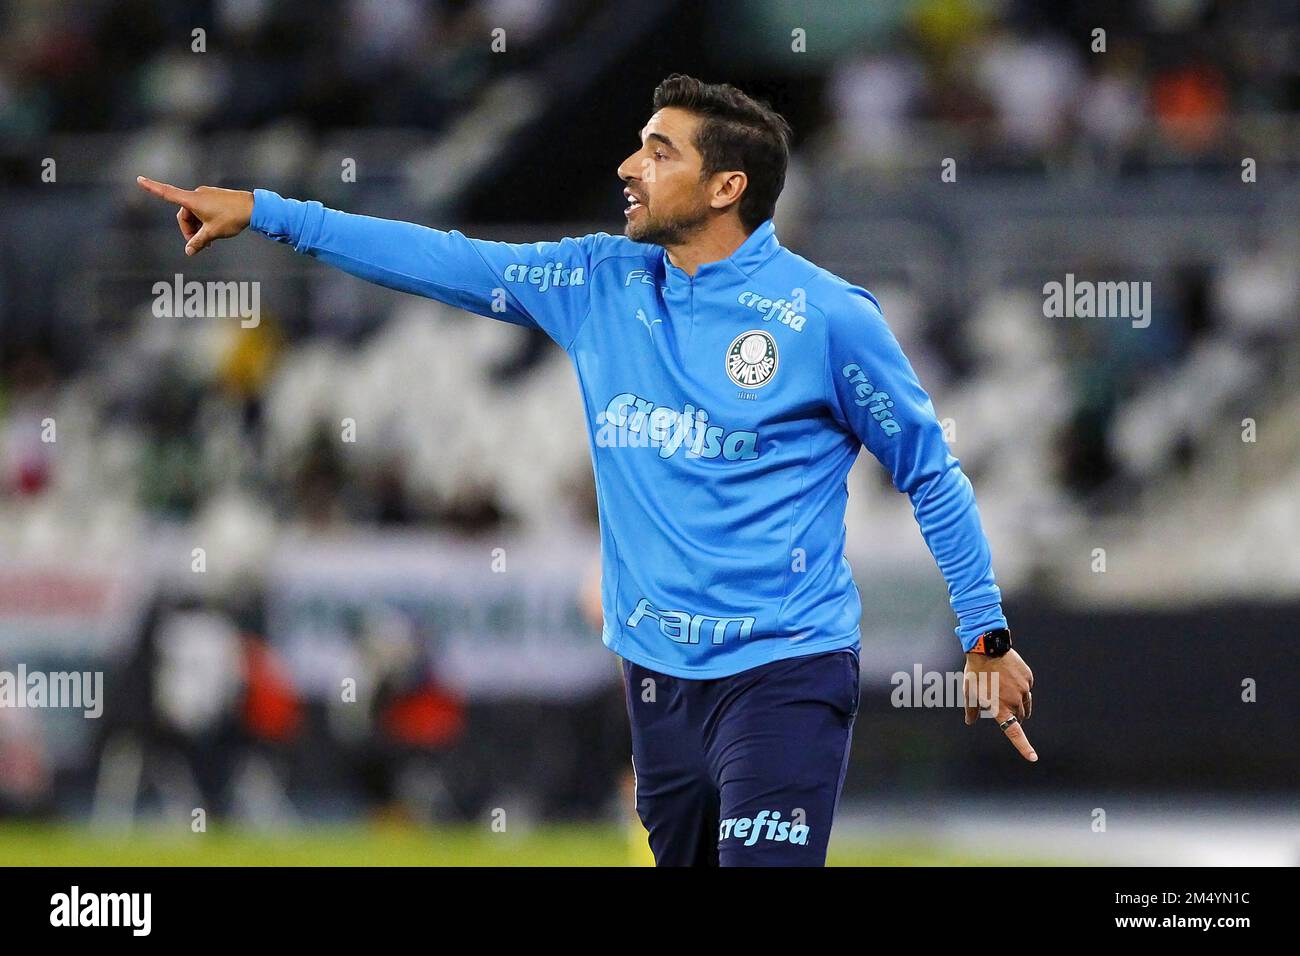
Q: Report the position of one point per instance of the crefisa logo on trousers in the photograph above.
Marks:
(767, 825)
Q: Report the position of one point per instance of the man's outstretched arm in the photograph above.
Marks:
(539, 284)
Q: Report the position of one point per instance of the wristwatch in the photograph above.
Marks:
(992, 643)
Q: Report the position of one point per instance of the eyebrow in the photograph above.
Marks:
(661, 137)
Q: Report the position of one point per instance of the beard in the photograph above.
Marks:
(669, 230)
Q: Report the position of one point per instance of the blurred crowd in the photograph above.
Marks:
(1026, 80)
(94, 65)
(1121, 85)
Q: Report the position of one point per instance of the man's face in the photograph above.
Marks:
(668, 201)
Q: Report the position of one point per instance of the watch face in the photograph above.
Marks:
(994, 643)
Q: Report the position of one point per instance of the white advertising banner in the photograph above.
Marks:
(491, 617)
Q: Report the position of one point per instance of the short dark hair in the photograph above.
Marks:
(736, 132)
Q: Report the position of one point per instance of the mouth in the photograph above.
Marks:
(634, 203)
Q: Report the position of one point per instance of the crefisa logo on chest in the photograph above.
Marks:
(752, 359)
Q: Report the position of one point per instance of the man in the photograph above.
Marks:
(728, 386)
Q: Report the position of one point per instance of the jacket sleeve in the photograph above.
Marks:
(540, 284)
(876, 395)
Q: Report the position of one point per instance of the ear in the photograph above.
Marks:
(726, 188)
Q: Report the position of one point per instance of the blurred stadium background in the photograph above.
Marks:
(1139, 485)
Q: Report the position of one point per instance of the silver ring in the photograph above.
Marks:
(1008, 722)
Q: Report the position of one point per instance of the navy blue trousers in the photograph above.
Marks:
(744, 770)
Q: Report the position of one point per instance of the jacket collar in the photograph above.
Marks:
(759, 246)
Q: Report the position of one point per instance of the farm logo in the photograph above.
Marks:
(767, 825)
(751, 359)
(686, 628)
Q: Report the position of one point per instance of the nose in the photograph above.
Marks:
(627, 168)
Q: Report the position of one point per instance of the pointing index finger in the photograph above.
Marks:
(164, 190)
(1016, 734)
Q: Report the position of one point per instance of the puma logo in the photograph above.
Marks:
(641, 317)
